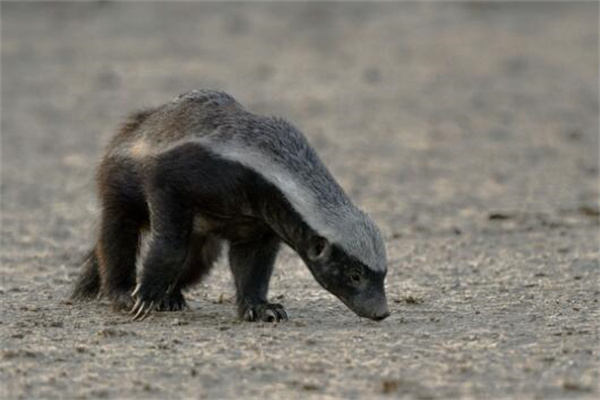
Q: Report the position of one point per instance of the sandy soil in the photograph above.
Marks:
(469, 132)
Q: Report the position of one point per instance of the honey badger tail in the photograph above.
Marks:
(88, 284)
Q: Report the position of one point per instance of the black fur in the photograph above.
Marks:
(124, 213)
(186, 182)
(190, 181)
(188, 200)
(252, 264)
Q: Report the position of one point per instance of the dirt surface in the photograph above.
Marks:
(469, 132)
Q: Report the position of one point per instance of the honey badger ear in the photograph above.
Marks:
(318, 248)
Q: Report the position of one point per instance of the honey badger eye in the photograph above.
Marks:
(355, 277)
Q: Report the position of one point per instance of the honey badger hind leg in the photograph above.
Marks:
(203, 252)
(123, 214)
(252, 264)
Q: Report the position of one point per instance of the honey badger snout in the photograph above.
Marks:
(380, 312)
(359, 286)
(370, 303)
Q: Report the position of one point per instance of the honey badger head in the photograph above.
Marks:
(354, 271)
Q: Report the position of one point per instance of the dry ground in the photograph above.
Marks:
(469, 132)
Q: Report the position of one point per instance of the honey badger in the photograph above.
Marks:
(201, 170)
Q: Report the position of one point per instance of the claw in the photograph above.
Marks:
(134, 309)
(139, 311)
(270, 316)
(136, 290)
(149, 310)
(144, 311)
(282, 314)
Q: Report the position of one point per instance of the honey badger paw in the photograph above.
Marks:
(267, 312)
(174, 301)
(147, 299)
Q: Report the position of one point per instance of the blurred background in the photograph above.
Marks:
(417, 108)
(468, 130)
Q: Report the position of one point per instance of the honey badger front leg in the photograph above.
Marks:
(252, 264)
(171, 226)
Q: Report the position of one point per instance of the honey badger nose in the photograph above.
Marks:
(379, 317)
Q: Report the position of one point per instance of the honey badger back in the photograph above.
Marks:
(202, 169)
